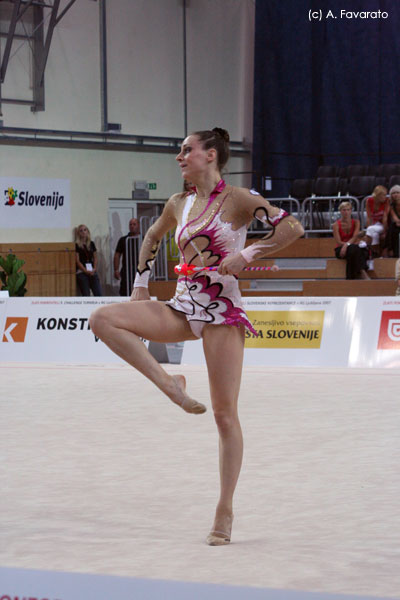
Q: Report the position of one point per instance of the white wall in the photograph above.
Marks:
(145, 95)
(72, 77)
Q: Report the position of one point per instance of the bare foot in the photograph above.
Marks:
(180, 397)
(220, 535)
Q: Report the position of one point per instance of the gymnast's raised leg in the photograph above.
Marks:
(120, 326)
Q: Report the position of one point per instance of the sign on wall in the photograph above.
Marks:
(33, 203)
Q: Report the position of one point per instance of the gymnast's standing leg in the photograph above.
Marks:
(223, 348)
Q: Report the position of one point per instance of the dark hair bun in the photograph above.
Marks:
(222, 132)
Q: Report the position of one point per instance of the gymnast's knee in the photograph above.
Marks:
(225, 420)
(98, 320)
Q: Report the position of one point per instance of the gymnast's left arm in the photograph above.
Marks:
(285, 230)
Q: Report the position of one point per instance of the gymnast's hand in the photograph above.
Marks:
(140, 293)
(232, 265)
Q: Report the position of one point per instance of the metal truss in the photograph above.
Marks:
(39, 40)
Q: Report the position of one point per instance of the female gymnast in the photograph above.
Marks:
(211, 223)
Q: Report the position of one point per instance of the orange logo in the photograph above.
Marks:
(389, 333)
(15, 329)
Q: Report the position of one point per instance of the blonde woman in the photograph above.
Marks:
(377, 207)
(346, 234)
(86, 263)
(393, 233)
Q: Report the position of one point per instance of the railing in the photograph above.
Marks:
(316, 213)
(320, 212)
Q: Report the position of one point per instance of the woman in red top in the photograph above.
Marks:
(377, 207)
(345, 233)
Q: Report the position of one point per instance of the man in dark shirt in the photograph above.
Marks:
(120, 252)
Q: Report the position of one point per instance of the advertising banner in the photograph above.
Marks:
(376, 333)
(293, 332)
(3, 303)
(300, 332)
(52, 330)
(33, 203)
(285, 329)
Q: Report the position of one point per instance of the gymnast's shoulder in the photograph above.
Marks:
(243, 193)
(177, 199)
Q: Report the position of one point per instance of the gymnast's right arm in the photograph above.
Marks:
(150, 246)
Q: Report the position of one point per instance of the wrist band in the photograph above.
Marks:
(248, 253)
(142, 279)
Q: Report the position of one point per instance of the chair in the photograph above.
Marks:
(394, 180)
(357, 171)
(302, 188)
(387, 170)
(327, 171)
(320, 207)
(361, 186)
(327, 186)
(343, 186)
(373, 170)
(381, 181)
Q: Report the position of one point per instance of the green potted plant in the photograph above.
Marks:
(13, 280)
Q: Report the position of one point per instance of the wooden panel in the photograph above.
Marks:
(384, 268)
(34, 285)
(46, 247)
(285, 274)
(305, 248)
(65, 285)
(377, 287)
(163, 290)
(171, 272)
(49, 284)
(50, 267)
(271, 293)
(65, 262)
(336, 269)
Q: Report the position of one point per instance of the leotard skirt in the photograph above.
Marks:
(210, 299)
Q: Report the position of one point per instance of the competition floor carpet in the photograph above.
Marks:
(101, 474)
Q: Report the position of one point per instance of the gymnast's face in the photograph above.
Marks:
(193, 159)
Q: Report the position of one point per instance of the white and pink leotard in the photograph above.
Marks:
(209, 230)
